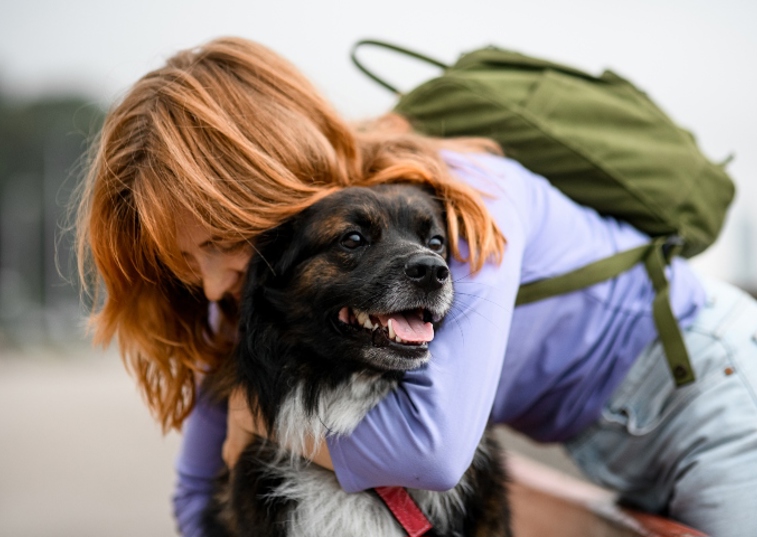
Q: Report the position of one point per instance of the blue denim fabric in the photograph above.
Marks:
(691, 452)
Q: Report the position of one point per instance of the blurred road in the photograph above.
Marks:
(81, 457)
(79, 454)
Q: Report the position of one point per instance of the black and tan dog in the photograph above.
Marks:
(339, 302)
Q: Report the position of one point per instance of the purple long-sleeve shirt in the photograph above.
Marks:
(545, 368)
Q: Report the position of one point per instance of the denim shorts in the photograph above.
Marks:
(691, 452)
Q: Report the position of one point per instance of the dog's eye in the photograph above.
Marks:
(353, 240)
(436, 243)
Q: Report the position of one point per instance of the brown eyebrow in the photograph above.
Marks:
(203, 245)
(212, 241)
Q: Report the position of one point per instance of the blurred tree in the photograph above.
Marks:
(42, 145)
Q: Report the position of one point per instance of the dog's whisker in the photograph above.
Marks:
(463, 277)
(329, 430)
(464, 314)
(472, 282)
(483, 299)
(456, 321)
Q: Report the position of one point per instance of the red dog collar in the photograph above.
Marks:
(405, 510)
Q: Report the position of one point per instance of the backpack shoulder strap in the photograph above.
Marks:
(595, 272)
(656, 255)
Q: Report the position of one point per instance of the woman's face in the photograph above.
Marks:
(219, 270)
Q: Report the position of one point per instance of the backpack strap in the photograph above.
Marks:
(667, 324)
(395, 48)
(656, 255)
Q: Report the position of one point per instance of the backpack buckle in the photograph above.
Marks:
(672, 247)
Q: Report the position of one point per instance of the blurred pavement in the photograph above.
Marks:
(80, 455)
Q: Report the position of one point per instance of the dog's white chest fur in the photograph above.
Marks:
(338, 411)
(322, 507)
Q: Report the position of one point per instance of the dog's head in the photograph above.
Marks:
(358, 279)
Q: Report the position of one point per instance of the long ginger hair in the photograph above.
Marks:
(236, 136)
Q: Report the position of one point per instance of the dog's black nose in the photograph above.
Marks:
(430, 272)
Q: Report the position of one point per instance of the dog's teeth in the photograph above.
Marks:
(392, 335)
(364, 320)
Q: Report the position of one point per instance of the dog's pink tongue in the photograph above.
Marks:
(410, 327)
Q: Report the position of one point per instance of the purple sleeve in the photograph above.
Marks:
(424, 434)
(198, 464)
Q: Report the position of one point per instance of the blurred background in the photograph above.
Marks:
(79, 454)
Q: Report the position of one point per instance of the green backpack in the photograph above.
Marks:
(601, 141)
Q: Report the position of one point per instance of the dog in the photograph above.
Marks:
(339, 302)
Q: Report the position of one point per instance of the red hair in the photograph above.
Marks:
(235, 135)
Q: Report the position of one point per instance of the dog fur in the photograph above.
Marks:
(311, 368)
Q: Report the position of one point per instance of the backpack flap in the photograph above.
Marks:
(599, 139)
(492, 57)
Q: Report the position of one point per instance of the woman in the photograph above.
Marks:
(229, 140)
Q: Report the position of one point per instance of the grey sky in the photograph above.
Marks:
(697, 58)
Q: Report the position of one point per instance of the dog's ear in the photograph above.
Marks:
(261, 351)
(276, 251)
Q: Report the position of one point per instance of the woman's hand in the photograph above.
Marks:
(242, 427)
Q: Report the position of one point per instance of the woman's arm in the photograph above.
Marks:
(198, 465)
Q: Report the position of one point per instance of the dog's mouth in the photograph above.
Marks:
(412, 328)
